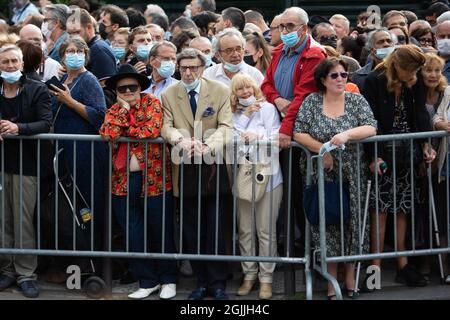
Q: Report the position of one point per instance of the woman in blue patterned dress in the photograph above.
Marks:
(337, 116)
(80, 109)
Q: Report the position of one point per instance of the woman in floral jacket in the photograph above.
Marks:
(140, 116)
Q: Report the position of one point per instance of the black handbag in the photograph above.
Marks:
(332, 203)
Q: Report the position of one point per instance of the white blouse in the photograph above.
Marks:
(265, 123)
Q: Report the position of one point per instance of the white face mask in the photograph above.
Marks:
(247, 102)
(46, 31)
(443, 46)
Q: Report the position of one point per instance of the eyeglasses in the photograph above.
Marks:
(183, 69)
(335, 75)
(425, 41)
(131, 87)
(289, 27)
(229, 51)
(273, 28)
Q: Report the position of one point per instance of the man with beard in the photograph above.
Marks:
(111, 18)
(102, 62)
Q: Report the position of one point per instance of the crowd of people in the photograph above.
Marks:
(201, 80)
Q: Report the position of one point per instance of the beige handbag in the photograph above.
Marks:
(244, 178)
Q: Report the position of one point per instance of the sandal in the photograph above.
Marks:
(332, 297)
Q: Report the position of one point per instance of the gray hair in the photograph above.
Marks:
(302, 15)
(200, 39)
(443, 17)
(371, 37)
(12, 47)
(191, 53)
(228, 32)
(342, 18)
(154, 25)
(79, 43)
(207, 5)
(60, 12)
(155, 48)
(154, 8)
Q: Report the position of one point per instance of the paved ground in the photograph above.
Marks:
(390, 290)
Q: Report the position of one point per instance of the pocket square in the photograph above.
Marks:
(209, 111)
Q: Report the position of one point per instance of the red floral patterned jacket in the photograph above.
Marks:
(143, 121)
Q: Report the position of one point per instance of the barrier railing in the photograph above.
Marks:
(405, 181)
(73, 221)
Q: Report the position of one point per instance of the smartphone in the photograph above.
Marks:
(54, 81)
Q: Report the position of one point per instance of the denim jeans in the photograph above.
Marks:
(149, 272)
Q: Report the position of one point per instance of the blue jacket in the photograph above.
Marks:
(102, 62)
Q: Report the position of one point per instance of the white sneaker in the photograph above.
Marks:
(447, 280)
(168, 291)
(143, 293)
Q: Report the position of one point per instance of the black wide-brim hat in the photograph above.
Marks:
(127, 71)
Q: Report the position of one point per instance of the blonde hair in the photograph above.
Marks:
(240, 81)
(258, 42)
(433, 60)
(407, 57)
(124, 31)
(10, 38)
(331, 52)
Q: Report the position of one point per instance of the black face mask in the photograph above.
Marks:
(249, 60)
(329, 41)
(102, 30)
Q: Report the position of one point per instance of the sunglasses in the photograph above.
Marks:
(335, 75)
(401, 39)
(131, 87)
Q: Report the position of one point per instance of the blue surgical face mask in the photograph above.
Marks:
(118, 52)
(167, 69)
(11, 77)
(142, 52)
(382, 53)
(208, 60)
(75, 61)
(290, 39)
(191, 86)
(233, 68)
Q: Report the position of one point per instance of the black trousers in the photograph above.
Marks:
(210, 274)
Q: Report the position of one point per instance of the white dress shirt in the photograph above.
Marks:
(217, 73)
(158, 88)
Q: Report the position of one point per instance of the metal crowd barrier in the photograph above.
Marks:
(433, 246)
(103, 247)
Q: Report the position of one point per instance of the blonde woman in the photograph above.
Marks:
(256, 119)
(441, 121)
(396, 94)
(435, 82)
